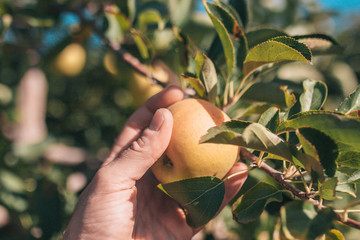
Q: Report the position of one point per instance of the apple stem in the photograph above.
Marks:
(238, 173)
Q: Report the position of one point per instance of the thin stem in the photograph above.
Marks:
(348, 211)
(278, 176)
(238, 173)
(307, 189)
(260, 159)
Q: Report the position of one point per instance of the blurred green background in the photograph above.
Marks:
(65, 94)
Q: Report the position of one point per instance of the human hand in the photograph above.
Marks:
(123, 201)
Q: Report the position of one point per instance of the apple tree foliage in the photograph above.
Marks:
(303, 152)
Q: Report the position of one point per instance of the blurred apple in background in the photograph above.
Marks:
(71, 60)
(142, 87)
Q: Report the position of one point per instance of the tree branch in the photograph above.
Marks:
(278, 176)
(121, 53)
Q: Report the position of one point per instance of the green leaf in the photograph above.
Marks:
(241, 8)
(326, 148)
(258, 36)
(354, 178)
(351, 103)
(342, 129)
(230, 32)
(233, 12)
(220, 18)
(320, 44)
(254, 136)
(200, 197)
(205, 70)
(314, 96)
(123, 6)
(270, 119)
(148, 17)
(321, 224)
(197, 84)
(327, 189)
(309, 159)
(11, 181)
(300, 220)
(349, 159)
(250, 205)
(143, 44)
(289, 95)
(334, 234)
(348, 188)
(296, 45)
(271, 51)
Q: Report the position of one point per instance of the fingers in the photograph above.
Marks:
(233, 185)
(133, 162)
(142, 117)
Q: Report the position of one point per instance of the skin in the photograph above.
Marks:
(122, 200)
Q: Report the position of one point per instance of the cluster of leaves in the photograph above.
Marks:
(318, 148)
(299, 140)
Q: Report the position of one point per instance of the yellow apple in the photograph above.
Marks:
(110, 63)
(185, 157)
(71, 60)
(142, 87)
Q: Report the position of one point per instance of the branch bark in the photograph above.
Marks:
(128, 58)
(278, 176)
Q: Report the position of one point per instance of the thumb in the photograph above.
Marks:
(141, 154)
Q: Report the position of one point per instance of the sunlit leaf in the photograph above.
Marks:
(354, 178)
(143, 44)
(320, 44)
(314, 96)
(340, 128)
(351, 103)
(270, 52)
(250, 205)
(197, 84)
(261, 35)
(349, 159)
(149, 17)
(328, 189)
(270, 118)
(334, 234)
(200, 197)
(289, 96)
(343, 186)
(205, 70)
(293, 43)
(11, 181)
(230, 32)
(254, 136)
(220, 18)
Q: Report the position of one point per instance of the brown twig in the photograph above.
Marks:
(121, 53)
(278, 176)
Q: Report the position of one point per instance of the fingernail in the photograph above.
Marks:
(157, 120)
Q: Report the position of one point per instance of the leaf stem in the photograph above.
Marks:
(238, 173)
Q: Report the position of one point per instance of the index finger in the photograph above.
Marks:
(139, 120)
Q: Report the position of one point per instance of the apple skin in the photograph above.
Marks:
(185, 157)
(71, 60)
